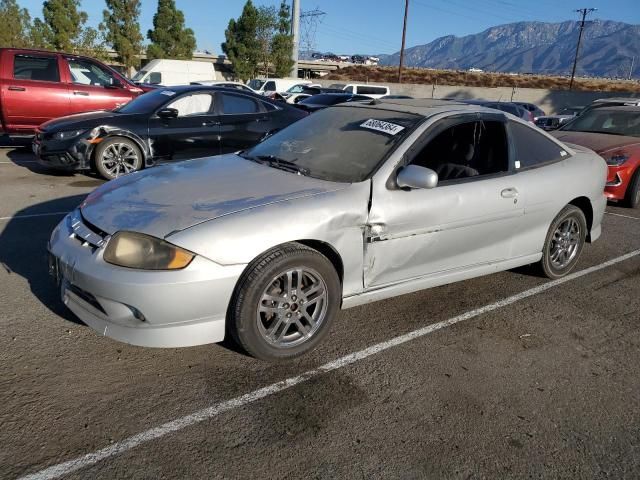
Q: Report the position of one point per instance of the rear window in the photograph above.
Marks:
(532, 147)
(33, 67)
(238, 104)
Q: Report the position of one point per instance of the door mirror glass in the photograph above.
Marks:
(413, 176)
(168, 113)
(115, 83)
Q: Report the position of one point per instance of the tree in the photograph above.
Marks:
(120, 22)
(241, 45)
(65, 23)
(16, 25)
(169, 37)
(39, 34)
(282, 43)
(260, 39)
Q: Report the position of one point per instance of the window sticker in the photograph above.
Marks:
(563, 153)
(380, 126)
(517, 163)
(168, 93)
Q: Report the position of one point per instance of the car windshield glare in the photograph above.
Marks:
(148, 102)
(612, 122)
(339, 144)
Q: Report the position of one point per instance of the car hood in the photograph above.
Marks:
(81, 120)
(598, 142)
(170, 198)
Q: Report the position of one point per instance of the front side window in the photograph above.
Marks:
(238, 104)
(342, 144)
(367, 90)
(466, 150)
(349, 89)
(192, 105)
(270, 86)
(532, 147)
(33, 67)
(256, 84)
(85, 72)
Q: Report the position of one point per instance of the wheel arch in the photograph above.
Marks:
(109, 134)
(584, 204)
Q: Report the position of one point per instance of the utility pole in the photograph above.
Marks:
(404, 35)
(584, 12)
(295, 32)
(633, 60)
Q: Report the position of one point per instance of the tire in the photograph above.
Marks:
(632, 197)
(117, 156)
(272, 322)
(564, 243)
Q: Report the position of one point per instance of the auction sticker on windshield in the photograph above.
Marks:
(380, 126)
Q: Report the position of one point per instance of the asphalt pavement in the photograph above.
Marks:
(505, 376)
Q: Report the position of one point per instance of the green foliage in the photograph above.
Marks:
(65, 23)
(259, 40)
(122, 30)
(15, 25)
(282, 43)
(241, 45)
(169, 37)
(39, 34)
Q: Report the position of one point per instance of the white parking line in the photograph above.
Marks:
(117, 448)
(17, 217)
(624, 216)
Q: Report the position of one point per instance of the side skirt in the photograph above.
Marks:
(435, 280)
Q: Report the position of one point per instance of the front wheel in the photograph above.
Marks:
(632, 198)
(117, 156)
(564, 242)
(284, 303)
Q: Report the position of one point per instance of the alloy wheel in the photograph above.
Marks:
(119, 159)
(565, 243)
(292, 307)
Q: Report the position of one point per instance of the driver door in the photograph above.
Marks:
(468, 219)
(194, 133)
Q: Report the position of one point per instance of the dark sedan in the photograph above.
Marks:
(508, 107)
(324, 100)
(165, 125)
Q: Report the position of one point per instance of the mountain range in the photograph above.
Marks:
(608, 49)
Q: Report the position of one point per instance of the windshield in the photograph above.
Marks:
(256, 84)
(342, 144)
(610, 121)
(296, 89)
(139, 76)
(147, 102)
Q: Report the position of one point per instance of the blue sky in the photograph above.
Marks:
(366, 26)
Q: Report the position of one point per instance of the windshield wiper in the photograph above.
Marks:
(282, 164)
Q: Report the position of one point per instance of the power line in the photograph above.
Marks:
(584, 12)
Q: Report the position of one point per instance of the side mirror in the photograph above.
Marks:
(168, 113)
(413, 176)
(115, 83)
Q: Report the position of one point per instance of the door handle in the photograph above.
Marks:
(262, 119)
(17, 89)
(84, 94)
(210, 123)
(509, 193)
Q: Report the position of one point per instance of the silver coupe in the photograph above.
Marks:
(353, 204)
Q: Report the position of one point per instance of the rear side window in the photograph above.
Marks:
(30, 67)
(533, 148)
(237, 104)
(366, 90)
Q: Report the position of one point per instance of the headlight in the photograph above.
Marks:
(617, 159)
(137, 250)
(69, 134)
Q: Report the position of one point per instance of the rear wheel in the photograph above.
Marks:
(632, 198)
(564, 242)
(117, 156)
(284, 303)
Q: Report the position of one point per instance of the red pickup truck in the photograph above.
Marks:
(36, 86)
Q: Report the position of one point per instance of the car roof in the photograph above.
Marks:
(618, 108)
(425, 107)
(635, 100)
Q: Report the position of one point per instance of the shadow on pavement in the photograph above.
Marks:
(23, 249)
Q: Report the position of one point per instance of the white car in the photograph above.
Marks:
(225, 83)
(270, 86)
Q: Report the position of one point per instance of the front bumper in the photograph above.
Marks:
(618, 179)
(148, 308)
(69, 155)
